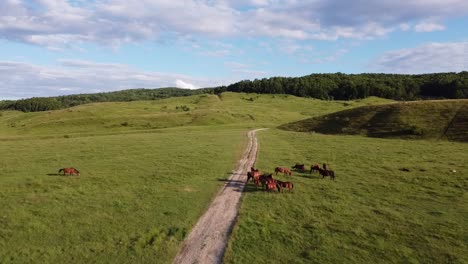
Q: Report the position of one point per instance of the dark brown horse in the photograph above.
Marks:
(326, 173)
(298, 166)
(286, 171)
(313, 168)
(252, 169)
(282, 185)
(69, 171)
(265, 178)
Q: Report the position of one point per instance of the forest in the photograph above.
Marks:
(339, 86)
(334, 86)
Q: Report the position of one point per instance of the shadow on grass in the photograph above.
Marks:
(54, 174)
(60, 175)
(252, 188)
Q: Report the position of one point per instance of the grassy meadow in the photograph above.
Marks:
(149, 169)
(136, 199)
(374, 212)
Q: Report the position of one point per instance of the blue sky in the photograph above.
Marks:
(56, 47)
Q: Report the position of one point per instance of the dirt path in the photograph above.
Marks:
(208, 239)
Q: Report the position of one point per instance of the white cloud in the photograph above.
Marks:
(59, 23)
(182, 84)
(20, 80)
(426, 26)
(427, 58)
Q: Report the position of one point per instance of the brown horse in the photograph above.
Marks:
(255, 175)
(69, 171)
(265, 178)
(298, 166)
(313, 168)
(282, 185)
(286, 171)
(326, 173)
(271, 184)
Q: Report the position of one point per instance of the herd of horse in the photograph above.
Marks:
(270, 184)
(267, 181)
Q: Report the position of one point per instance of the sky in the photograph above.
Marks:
(59, 47)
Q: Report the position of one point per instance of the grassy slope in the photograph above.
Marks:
(141, 188)
(429, 120)
(229, 108)
(372, 212)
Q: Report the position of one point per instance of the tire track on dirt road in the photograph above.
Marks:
(208, 239)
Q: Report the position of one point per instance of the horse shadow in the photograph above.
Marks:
(251, 188)
(54, 174)
(233, 173)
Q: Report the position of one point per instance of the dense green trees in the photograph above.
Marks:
(352, 86)
(32, 104)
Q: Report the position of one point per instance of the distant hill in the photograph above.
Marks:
(59, 102)
(445, 119)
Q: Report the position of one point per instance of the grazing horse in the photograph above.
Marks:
(282, 185)
(255, 175)
(299, 167)
(265, 178)
(286, 171)
(252, 169)
(271, 184)
(325, 166)
(315, 167)
(326, 173)
(69, 171)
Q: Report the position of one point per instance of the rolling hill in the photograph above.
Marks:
(228, 108)
(446, 119)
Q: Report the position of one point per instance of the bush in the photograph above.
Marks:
(183, 107)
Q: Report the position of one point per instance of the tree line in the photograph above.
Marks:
(335, 86)
(52, 103)
(339, 86)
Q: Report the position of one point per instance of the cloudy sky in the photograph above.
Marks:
(55, 47)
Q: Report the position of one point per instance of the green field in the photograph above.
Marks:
(374, 212)
(136, 199)
(149, 169)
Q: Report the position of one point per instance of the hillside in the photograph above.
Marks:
(59, 102)
(237, 109)
(447, 119)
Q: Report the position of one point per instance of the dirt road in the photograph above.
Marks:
(208, 239)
